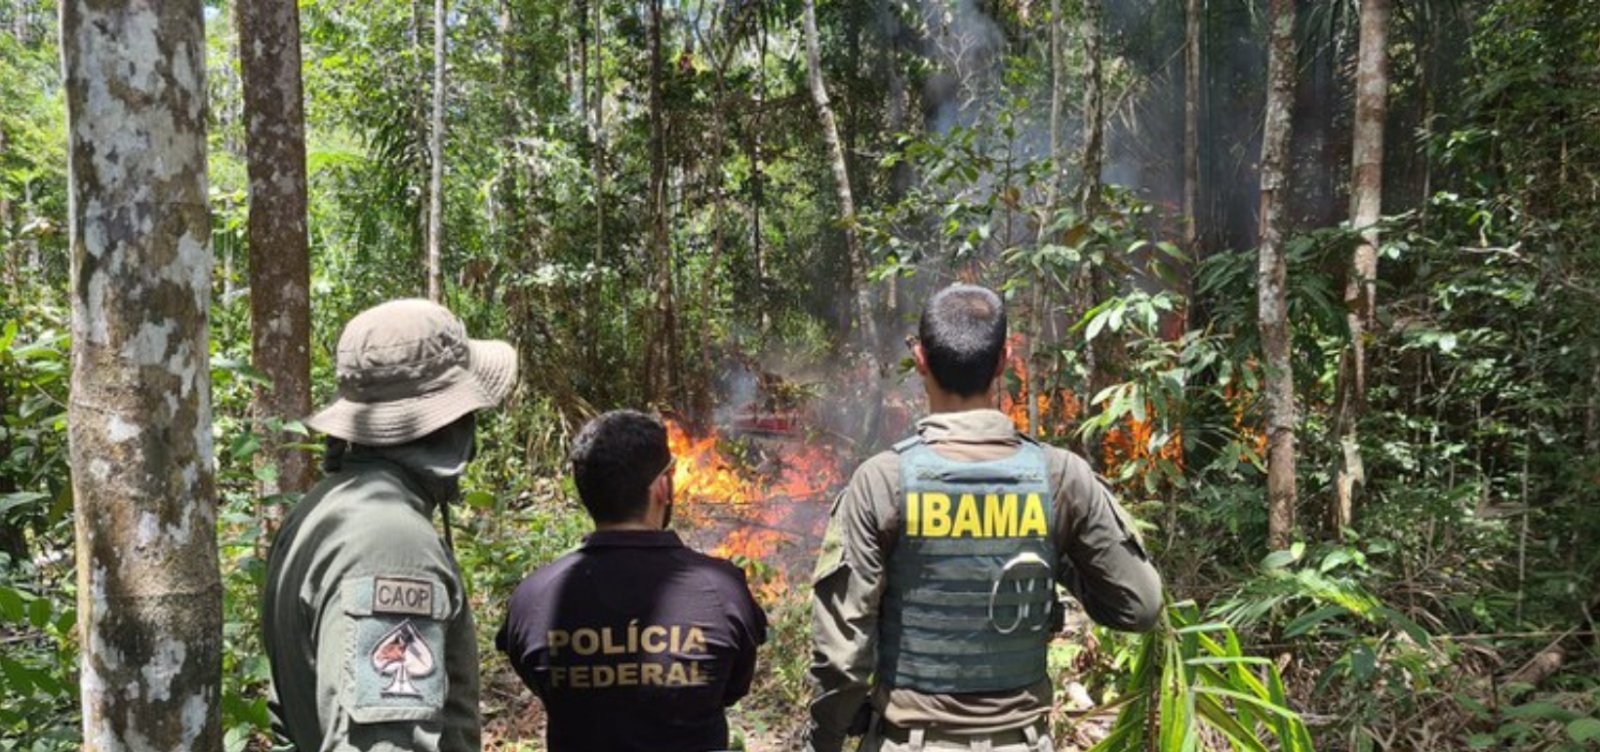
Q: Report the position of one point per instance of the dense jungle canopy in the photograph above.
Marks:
(1312, 283)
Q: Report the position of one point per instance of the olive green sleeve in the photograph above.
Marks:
(397, 664)
(847, 588)
(1102, 560)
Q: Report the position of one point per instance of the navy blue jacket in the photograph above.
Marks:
(635, 642)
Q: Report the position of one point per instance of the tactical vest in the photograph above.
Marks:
(971, 581)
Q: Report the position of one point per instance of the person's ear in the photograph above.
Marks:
(921, 357)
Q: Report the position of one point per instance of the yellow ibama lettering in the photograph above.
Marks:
(1033, 517)
(999, 515)
(966, 524)
(936, 520)
(913, 509)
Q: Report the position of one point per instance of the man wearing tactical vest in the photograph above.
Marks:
(934, 593)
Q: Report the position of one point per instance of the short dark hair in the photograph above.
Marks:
(963, 335)
(615, 458)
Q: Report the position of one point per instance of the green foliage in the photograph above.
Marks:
(1190, 682)
(38, 613)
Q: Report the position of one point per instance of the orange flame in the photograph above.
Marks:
(708, 474)
(1056, 411)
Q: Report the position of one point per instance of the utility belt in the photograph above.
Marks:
(1034, 737)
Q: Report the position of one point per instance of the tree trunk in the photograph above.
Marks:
(21, 21)
(11, 264)
(1191, 129)
(139, 423)
(513, 229)
(865, 315)
(1036, 309)
(595, 66)
(436, 160)
(1360, 292)
(757, 186)
(280, 266)
(1272, 275)
(419, 119)
(661, 372)
(1094, 110)
(1104, 352)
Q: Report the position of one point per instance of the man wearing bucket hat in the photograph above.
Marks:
(365, 619)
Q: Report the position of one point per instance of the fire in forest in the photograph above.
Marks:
(1057, 410)
(760, 497)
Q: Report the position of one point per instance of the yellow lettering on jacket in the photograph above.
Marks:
(933, 515)
(966, 518)
(999, 514)
(679, 651)
(694, 641)
(913, 514)
(1033, 517)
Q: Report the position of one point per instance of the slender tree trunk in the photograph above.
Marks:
(1105, 350)
(594, 65)
(21, 20)
(1036, 309)
(1094, 109)
(757, 184)
(714, 176)
(1272, 296)
(1191, 129)
(419, 119)
(149, 590)
(661, 368)
(280, 266)
(513, 225)
(6, 246)
(865, 314)
(436, 160)
(895, 117)
(1360, 292)
(865, 318)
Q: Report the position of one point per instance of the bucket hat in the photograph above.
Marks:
(406, 368)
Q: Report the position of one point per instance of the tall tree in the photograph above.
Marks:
(510, 198)
(280, 267)
(149, 590)
(865, 313)
(661, 366)
(436, 160)
(753, 133)
(1036, 308)
(1360, 291)
(1272, 275)
(1094, 107)
(1104, 351)
(1191, 127)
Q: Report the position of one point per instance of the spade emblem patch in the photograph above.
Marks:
(402, 655)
